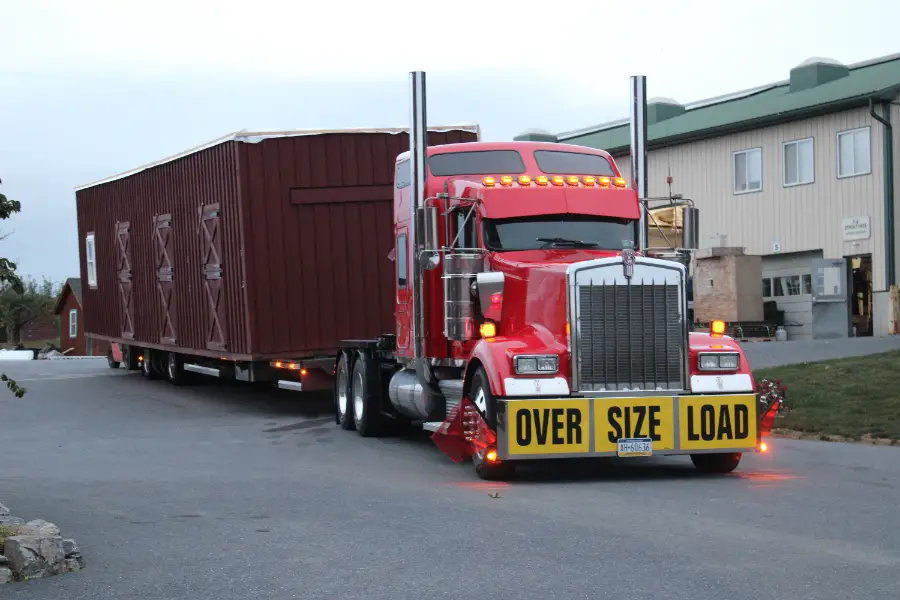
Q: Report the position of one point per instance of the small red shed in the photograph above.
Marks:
(71, 324)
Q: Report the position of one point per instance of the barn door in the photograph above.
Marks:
(123, 271)
(211, 265)
(164, 279)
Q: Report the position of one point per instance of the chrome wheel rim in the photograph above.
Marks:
(358, 397)
(342, 388)
(171, 366)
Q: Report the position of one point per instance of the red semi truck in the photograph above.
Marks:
(525, 320)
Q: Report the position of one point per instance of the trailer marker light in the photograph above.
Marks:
(603, 181)
(524, 180)
(558, 180)
(303, 371)
(717, 327)
(278, 364)
(572, 179)
(488, 329)
(506, 180)
(589, 180)
(541, 180)
(619, 182)
(488, 182)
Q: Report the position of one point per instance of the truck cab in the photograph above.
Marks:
(531, 324)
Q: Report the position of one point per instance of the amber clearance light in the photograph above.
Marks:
(717, 327)
(488, 329)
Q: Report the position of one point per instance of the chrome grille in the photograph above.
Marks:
(629, 337)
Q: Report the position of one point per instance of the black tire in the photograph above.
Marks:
(716, 463)
(113, 363)
(130, 358)
(489, 471)
(365, 386)
(343, 410)
(148, 369)
(174, 370)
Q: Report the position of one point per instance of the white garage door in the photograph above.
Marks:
(787, 279)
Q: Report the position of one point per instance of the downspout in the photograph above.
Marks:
(888, 138)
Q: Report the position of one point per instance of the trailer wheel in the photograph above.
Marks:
(484, 469)
(148, 369)
(716, 463)
(343, 410)
(175, 373)
(130, 358)
(364, 390)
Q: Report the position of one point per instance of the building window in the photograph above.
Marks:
(797, 162)
(854, 153)
(90, 253)
(748, 171)
(73, 323)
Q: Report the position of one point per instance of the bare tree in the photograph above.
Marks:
(9, 278)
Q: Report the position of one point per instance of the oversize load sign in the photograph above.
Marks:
(564, 426)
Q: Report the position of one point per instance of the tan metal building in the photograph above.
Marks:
(803, 172)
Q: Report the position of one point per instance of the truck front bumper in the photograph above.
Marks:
(569, 427)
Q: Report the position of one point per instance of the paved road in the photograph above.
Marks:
(221, 492)
(773, 354)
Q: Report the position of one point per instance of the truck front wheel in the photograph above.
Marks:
(716, 463)
(480, 393)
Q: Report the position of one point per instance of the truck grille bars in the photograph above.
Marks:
(629, 336)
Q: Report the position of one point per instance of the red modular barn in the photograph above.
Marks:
(252, 247)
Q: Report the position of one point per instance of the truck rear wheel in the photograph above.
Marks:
(343, 410)
(716, 463)
(175, 372)
(365, 392)
(148, 369)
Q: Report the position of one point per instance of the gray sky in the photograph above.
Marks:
(95, 87)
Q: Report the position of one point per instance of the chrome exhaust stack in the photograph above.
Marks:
(639, 152)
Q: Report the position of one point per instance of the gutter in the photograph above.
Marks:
(888, 138)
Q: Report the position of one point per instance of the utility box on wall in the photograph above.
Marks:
(727, 285)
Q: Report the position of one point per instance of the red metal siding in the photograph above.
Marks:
(180, 189)
(318, 214)
(289, 235)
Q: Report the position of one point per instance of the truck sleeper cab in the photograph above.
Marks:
(530, 326)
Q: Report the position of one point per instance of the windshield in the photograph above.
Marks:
(478, 162)
(558, 231)
(555, 162)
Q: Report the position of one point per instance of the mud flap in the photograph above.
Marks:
(768, 419)
(463, 433)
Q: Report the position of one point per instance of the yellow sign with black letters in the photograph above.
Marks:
(717, 422)
(548, 426)
(620, 418)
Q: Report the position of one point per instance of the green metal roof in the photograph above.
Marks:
(816, 87)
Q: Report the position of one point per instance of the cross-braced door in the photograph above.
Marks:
(164, 276)
(123, 272)
(211, 265)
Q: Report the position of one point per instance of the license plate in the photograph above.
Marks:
(635, 447)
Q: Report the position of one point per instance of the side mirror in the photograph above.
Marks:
(430, 257)
(690, 228)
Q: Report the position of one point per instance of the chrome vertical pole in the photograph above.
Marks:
(417, 154)
(639, 150)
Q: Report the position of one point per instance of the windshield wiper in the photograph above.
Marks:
(558, 241)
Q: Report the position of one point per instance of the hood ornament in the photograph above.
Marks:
(628, 263)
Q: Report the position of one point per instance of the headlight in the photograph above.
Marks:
(536, 364)
(719, 362)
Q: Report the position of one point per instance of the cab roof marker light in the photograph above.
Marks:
(541, 180)
(589, 180)
(488, 182)
(524, 180)
(603, 181)
(572, 180)
(619, 182)
(559, 180)
(506, 181)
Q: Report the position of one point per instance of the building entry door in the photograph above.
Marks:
(830, 306)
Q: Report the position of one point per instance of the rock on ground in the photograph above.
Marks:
(33, 557)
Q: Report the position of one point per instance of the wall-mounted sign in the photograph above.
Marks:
(857, 228)
(776, 247)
